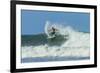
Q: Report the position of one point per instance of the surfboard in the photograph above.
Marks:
(50, 37)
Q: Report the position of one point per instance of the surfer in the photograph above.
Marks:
(53, 31)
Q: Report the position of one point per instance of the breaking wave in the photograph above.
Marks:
(76, 45)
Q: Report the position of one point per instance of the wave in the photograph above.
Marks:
(76, 45)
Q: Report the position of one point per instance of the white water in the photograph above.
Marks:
(77, 45)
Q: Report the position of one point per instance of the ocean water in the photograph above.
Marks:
(33, 40)
(70, 45)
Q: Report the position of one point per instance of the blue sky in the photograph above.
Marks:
(33, 22)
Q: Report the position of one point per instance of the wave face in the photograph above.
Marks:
(70, 45)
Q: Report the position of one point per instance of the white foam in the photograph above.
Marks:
(46, 51)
